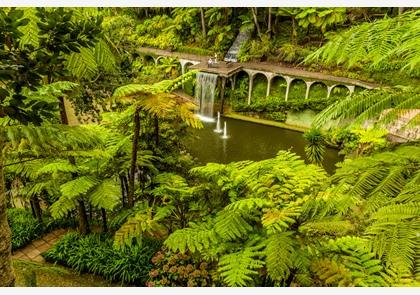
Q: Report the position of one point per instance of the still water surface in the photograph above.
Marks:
(249, 141)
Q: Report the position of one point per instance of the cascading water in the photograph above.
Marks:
(241, 38)
(204, 93)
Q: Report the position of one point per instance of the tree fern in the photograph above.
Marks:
(347, 261)
(31, 30)
(147, 221)
(279, 253)
(82, 64)
(194, 238)
(376, 44)
(105, 195)
(237, 269)
(277, 220)
(371, 104)
(231, 225)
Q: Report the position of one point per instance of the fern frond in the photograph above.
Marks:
(56, 167)
(195, 238)
(78, 186)
(279, 253)
(82, 64)
(230, 225)
(105, 195)
(237, 269)
(277, 220)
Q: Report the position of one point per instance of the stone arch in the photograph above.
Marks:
(339, 90)
(241, 80)
(148, 58)
(158, 58)
(317, 89)
(297, 89)
(260, 85)
(278, 86)
(185, 63)
(358, 89)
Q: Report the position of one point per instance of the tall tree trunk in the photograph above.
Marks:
(133, 164)
(203, 23)
(125, 181)
(104, 222)
(156, 119)
(32, 208)
(401, 10)
(83, 220)
(294, 33)
(255, 16)
(276, 23)
(63, 114)
(269, 23)
(7, 276)
(37, 208)
(123, 192)
(90, 212)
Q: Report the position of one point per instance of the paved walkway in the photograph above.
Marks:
(33, 251)
(263, 66)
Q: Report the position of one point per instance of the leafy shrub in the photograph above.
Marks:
(315, 148)
(195, 50)
(293, 53)
(153, 32)
(95, 254)
(275, 104)
(277, 116)
(255, 49)
(178, 269)
(26, 228)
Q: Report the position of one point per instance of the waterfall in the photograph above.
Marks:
(204, 93)
(241, 38)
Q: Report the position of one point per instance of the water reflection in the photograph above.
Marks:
(249, 141)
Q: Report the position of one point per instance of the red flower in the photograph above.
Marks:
(154, 273)
(150, 284)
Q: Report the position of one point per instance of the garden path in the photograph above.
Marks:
(33, 251)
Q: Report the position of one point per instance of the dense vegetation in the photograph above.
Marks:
(146, 213)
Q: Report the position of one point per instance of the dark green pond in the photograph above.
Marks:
(249, 141)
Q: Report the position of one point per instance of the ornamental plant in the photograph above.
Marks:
(181, 269)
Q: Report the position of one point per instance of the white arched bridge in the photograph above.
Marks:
(269, 71)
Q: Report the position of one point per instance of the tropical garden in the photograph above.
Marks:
(96, 143)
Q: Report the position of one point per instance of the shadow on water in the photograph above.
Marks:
(249, 141)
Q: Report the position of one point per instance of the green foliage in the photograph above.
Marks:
(94, 254)
(379, 46)
(273, 104)
(316, 145)
(256, 49)
(237, 269)
(321, 17)
(154, 33)
(265, 199)
(385, 105)
(26, 228)
(349, 262)
(280, 252)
